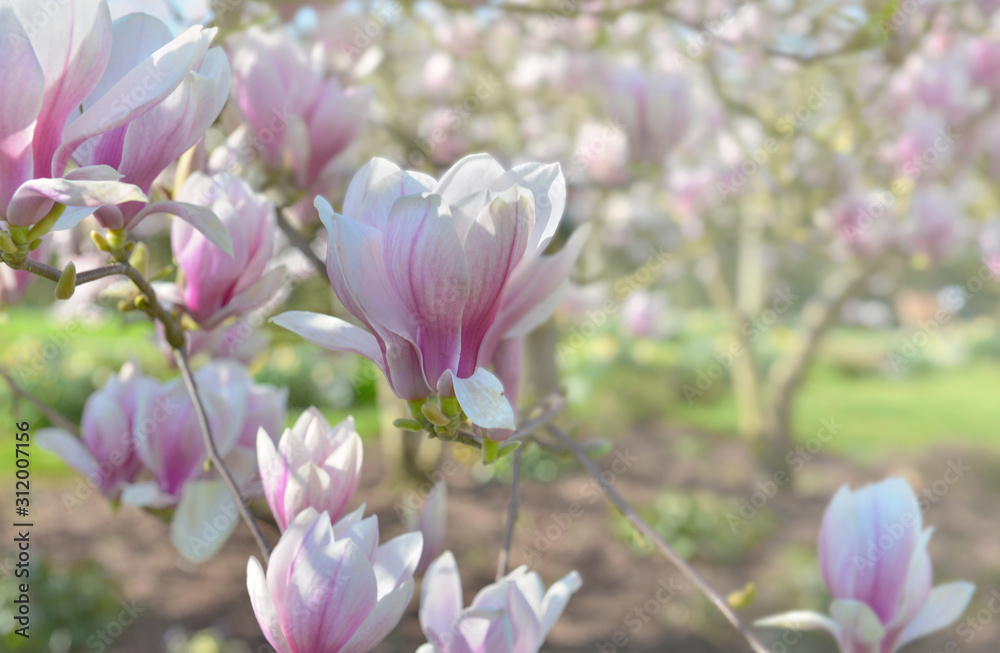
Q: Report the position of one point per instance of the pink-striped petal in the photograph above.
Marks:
(22, 89)
(426, 266)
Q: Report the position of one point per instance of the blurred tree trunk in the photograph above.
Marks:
(787, 374)
(540, 365)
(404, 454)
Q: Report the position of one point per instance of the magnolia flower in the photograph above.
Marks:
(513, 614)
(218, 284)
(432, 522)
(314, 466)
(439, 273)
(932, 226)
(989, 245)
(653, 108)
(302, 120)
(123, 101)
(984, 63)
(47, 74)
(141, 442)
(106, 451)
(330, 588)
(873, 555)
(196, 84)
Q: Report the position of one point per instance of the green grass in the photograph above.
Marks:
(881, 415)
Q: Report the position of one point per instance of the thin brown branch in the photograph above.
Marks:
(512, 513)
(300, 243)
(213, 453)
(639, 524)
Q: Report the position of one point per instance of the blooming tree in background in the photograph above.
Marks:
(856, 142)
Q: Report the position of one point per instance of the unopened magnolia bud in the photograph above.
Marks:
(7, 243)
(35, 244)
(408, 424)
(142, 302)
(434, 414)
(67, 282)
(125, 306)
(743, 598)
(100, 241)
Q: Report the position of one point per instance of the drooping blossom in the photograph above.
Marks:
(216, 285)
(432, 522)
(513, 614)
(330, 588)
(142, 442)
(873, 555)
(314, 465)
(299, 120)
(106, 452)
(439, 273)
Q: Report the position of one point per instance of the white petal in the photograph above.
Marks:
(205, 518)
(482, 398)
(944, 606)
(263, 606)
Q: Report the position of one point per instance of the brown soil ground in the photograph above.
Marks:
(134, 547)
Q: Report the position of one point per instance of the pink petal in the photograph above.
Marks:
(22, 88)
(944, 606)
(36, 197)
(426, 266)
(158, 137)
(532, 294)
(331, 591)
(440, 599)
(73, 49)
(386, 615)
(263, 606)
(464, 188)
(134, 37)
(548, 187)
(202, 219)
(204, 520)
(331, 333)
(494, 246)
(158, 75)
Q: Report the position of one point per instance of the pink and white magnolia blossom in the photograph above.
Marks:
(141, 442)
(185, 107)
(512, 615)
(106, 452)
(873, 555)
(47, 74)
(653, 108)
(440, 273)
(121, 100)
(301, 119)
(314, 465)
(217, 284)
(432, 522)
(330, 588)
